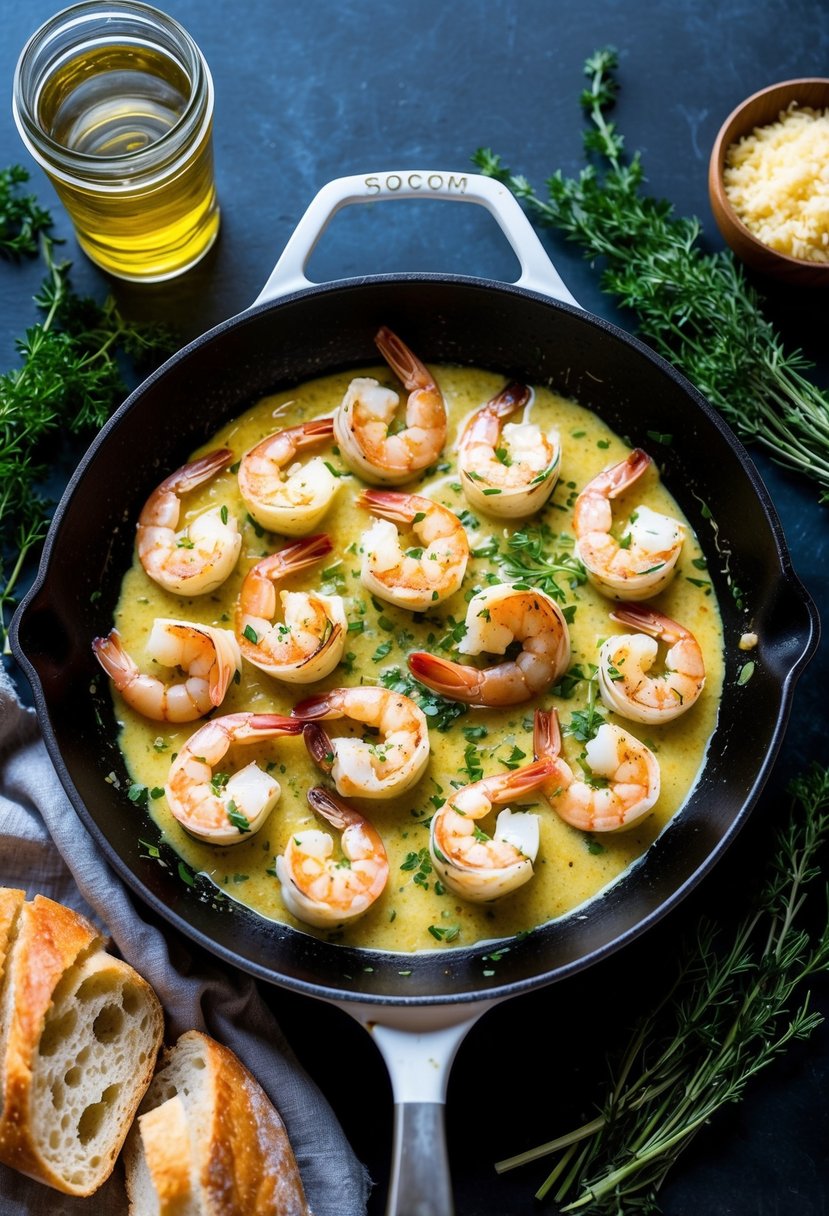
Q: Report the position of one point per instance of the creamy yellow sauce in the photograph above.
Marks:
(414, 912)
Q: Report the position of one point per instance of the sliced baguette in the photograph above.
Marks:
(240, 1158)
(162, 1178)
(81, 1031)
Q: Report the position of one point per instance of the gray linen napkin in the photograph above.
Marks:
(45, 849)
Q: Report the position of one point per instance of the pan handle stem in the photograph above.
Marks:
(537, 271)
(419, 1047)
(420, 1181)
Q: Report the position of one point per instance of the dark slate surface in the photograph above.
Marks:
(308, 92)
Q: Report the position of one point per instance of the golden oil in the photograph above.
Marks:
(119, 114)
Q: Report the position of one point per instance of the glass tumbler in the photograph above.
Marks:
(115, 102)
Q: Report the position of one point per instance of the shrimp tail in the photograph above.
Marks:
(297, 555)
(115, 661)
(458, 681)
(510, 399)
(197, 472)
(272, 724)
(391, 504)
(648, 620)
(320, 750)
(338, 813)
(505, 786)
(622, 475)
(546, 734)
(313, 432)
(318, 706)
(402, 361)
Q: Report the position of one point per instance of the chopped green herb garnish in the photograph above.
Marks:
(382, 650)
(236, 818)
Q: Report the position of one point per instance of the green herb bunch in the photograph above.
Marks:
(694, 308)
(69, 380)
(739, 999)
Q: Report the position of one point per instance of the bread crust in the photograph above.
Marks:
(248, 1166)
(52, 940)
(241, 1159)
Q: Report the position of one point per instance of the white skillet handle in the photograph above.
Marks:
(537, 271)
(418, 1047)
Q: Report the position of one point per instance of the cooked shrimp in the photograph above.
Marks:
(478, 866)
(323, 891)
(496, 617)
(209, 656)
(199, 558)
(380, 768)
(424, 574)
(507, 469)
(363, 422)
(642, 562)
(625, 661)
(308, 642)
(281, 493)
(213, 806)
(625, 782)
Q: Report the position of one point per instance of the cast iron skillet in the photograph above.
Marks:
(418, 1007)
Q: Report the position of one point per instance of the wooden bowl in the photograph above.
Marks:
(756, 111)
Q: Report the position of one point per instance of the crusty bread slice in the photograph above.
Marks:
(81, 1034)
(241, 1158)
(162, 1182)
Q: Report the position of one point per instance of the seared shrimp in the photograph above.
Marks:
(209, 656)
(199, 558)
(322, 890)
(424, 574)
(308, 643)
(478, 866)
(213, 806)
(496, 617)
(625, 784)
(507, 469)
(642, 562)
(363, 422)
(625, 661)
(282, 494)
(380, 768)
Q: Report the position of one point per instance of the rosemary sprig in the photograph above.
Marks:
(69, 381)
(694, 308)
(739, 999)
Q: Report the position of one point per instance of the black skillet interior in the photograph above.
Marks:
(456, 320)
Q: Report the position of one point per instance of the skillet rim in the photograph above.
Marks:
(784, 578)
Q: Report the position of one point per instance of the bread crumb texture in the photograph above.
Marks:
(777, 180)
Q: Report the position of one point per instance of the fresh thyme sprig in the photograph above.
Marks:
(694, 308)
(22, 219)
(738, 1001)
(69, 380)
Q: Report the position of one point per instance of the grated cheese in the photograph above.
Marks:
(777, 181)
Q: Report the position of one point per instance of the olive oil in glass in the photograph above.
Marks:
(118, 111)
